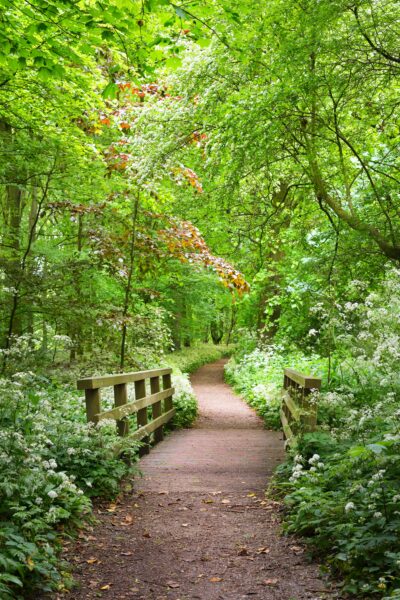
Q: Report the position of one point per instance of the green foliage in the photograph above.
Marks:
(258, 377)
(190, 359)
(347, 504)
(184, 401)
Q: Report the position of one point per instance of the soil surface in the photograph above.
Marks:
(197, 524)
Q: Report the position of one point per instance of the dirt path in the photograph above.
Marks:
(197, 525)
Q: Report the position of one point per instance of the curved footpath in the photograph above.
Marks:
(197, 525)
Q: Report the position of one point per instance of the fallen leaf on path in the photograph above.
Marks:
(111, 508)
(163, 493)
(208, 501)
(251, 495)
(225, 501)
(243, 551)
(297, 549)
(263, 550)
(185, 524)
(273, 581)
(91, 561)
(173, 584)
(106, 587)
(128, 520)
(126, 553)
(216, 579)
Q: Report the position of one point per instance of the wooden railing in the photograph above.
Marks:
(298, 412)
(159, 400)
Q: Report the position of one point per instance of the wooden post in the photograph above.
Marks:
(92, 398)
(309, 419)
(121, 398)
(156, 408)
(140, 392)
(166, 385)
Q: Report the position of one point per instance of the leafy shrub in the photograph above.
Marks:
(184, 401)
(349, 507)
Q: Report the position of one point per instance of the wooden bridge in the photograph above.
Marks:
(298, 411)
(197, 523)
(144, 382)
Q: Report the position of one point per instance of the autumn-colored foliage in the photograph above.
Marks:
(185, 242)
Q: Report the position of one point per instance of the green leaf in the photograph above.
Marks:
(182, 14)
(203, 42)
(11, 579)
(376, 448)
(341, 556)
(44, 74)
(357, 451)
(110, 91)
(173, 62)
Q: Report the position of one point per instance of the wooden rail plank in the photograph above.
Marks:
(140, 392)
(91, 383)
(292, 406)
(306, 381)
(157, 408)
(92, 398)
(166, 385)
(298, 408)
(146, 430)
(127, 409)
(289, 435)
(120, 401)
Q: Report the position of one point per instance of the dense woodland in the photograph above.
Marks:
(183, 181)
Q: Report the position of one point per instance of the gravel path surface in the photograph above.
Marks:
(197, 524)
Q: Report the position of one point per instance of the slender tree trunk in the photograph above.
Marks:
(128, 289)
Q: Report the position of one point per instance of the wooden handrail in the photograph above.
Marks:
(99, 381)
(159, 400)
(298, 413)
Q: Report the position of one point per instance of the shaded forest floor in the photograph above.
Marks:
(197, 524)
